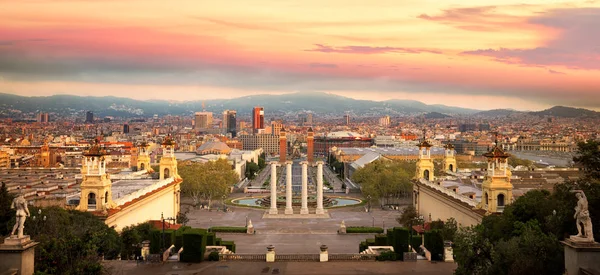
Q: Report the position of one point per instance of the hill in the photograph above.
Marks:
(567, 112)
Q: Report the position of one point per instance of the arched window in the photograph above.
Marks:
(167, 173)
(501, 200)
(487, 199)
(426, 174)
(451, 167)
(91, 201)
(142, 166)
(106, 197)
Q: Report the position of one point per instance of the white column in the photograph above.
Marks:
(288, 188)
(320, 188)
(304, 209)
(273, 209)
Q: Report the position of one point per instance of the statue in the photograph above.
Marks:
(20, 204)
(582, 216)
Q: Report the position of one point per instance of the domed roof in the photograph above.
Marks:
(213, 146)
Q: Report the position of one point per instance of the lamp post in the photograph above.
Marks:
(163, 229)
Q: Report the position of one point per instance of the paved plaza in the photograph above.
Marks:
(295, 235)
(282, 268)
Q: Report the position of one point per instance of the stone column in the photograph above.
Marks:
(270, 254)
(320, 209)
(273, 210)
(288, 188)
(324, 256)
(304, 209)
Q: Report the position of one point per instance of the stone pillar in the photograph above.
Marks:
(580, 255)
(304, 209)
(17, 255)
(273, 210)
(448, 252)
(324, 257)
(288, 188)
(250, 228)
(320, 209)
(270, 254)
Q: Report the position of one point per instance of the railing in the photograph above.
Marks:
(450, 193)
(243, 257)
(352, 257)
(297, 257)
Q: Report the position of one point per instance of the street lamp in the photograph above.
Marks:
(163, 229)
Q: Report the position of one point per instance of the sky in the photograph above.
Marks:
(524, 55)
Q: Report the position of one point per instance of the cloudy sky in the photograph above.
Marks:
(524, 55)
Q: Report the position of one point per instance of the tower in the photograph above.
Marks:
(258, 119)
(310, 144)
(449, 158)
(424, 164)
(143, 158)
(496, 188)
(282, 146)
(96, 194)
(45, 155)
(168, 162)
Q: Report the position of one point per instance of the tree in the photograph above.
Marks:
(261, 163)
(409, 214)
(207, 181)
(71, 242)
(449, 230)
(251, 169)
(6, 214)
(588, 156)
(514, 162)
(384, 179)
(472, 251)
(132, 237)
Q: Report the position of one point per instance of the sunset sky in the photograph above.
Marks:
(525, 55)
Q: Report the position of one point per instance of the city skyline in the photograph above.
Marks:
(509, 54)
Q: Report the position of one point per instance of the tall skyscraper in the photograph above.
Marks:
(229, 122)
(305, 119)
(203, 120)
(43, 118)
(125, 128)
(276, 126)
(258, 119)
(347, 119)
(384, 121)
(89, 117)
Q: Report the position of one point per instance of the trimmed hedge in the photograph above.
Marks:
(194, 245)
(228, 229)
(363, 229)
(435, 244)
(381, 240)
(399, 240)
(155, 240)
(387, 256)
(416, 242)
(179, 237)
(218, 241)
(362, 247)
(229, 244)
(210, 239)
(213, 256)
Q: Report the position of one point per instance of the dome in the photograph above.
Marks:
(213, 147)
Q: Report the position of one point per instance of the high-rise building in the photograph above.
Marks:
(125, 128)
(203, 120)
(384, 121)
(229, 122)
(43, 118)
(276, 126)
(258, 119)
(305, 119)
(89, 117)
(347, 119)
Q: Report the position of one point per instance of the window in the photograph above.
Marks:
(91, 201)
(501, 200)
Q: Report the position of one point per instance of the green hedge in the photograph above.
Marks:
(399, 239)
(179, 237)
(213, 256)
(218, 241)
(435, 244)
(194, 245)
(210, 239)
(362, 247)
(416, 242)
(363, 229)
(228, 229)
(381, 240)
(387, 256)
(155, 240)
(229, 244)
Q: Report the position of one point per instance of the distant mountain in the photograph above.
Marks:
(567, 112)
(436, 115)
(320, 103)
(497, 113)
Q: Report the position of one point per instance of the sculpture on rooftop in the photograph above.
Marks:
(20, 204)
(582, 216)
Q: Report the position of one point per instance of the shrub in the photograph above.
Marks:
(229, 245)
(387, 256)
(218, 241)
(416, 242)
(381, 240)
(363, 229)
(213, 256)
(179, 237)
(398, 238)
(228, 229)
(210, 239)
(362, 247)
(155, 241)
(435, 244)
(194, 245)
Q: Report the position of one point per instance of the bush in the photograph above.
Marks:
(210, 239)
(218, 241)
(155, 241)
(387, 256)
(381, 240)
(228, 229)
(194, 245)
(213, 256)
(229, 245)
(416, 242)
(399, 240)
(435, 244)
(179, 237)
(363, 229)
(362, 247)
